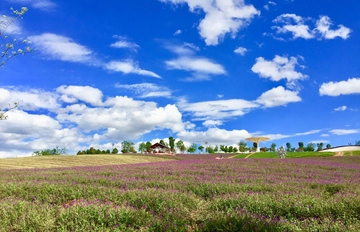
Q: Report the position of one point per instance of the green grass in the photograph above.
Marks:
(272, 155)
(55, 161)
(352, 153)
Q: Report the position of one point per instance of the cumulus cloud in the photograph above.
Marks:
(39, 4)
(341, 108)
(214, 136)
(31, 99)
(201, 68)
(213, 110)
(278, 97)
(344, 131)
(212, 123)
(241, 51)
(278, 68)
(62, 48)
(128, 66)
(334, 89)
(221, 17)
(295, 25)
(145, 90)
(192, 46)
(84, 93)
(124, 43)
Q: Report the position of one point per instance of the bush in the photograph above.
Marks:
(55, 151)
(115, 151)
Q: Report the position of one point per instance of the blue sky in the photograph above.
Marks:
(198, 70)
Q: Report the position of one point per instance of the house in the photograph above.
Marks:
(159, 148)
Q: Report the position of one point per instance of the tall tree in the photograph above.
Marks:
(148, 145)
(179, 144)
(162, 142)
(329, 146)
(201, 148)
(172, 143)
(301, 145)
(126, 145)
(320, 146)
(216, 149)
(142, 147)
(273, 146)
(288, 146)
(242, 146)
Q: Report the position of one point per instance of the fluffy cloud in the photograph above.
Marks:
(296, 25)
(340, 108)
(124, 43)
(84, 93)
(128, 66)
(212, 123)
(344, 131)
(278, 97)
(278, 68)
(214, 136)
(212, 110)
(177, 32)
(221, 17)
(145, 90)
(31, 99)
(201, 68)
(62, 48)
(241, 51)
(351, 86)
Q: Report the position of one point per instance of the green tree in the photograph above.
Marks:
(132, 150)
(209, 149)
(235, 150)
(273, 146)
(310, 147)
(115, 151)
(183, 148)
(126, 146)
(301, 146)
(288, 147)
(108, 151)
(148, 145)
(192, 148)
(357, 143)
(242, 146)
(201, 148)
(320, 146)
(172, 143)
(230, 149)
(142, 147)
(328, 146)
(179, 144)
(216, 149)
(162, 142)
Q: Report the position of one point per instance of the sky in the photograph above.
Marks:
(197, 70)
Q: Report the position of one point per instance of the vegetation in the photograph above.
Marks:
(127, 147)
(92, 151)
(55, 151)
(190, 195)
(274, 155)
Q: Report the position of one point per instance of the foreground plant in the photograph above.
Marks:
(189, 195)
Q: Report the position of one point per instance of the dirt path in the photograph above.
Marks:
(249, 155)
(339, 153)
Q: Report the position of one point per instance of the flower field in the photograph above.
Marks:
(186, 195)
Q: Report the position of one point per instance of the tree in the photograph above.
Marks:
(179, 145)
(201, 148)
(115, 151)
(301, 146)
(235, 150)
(216, 149)
(230, 149)
(242, 146)
(328, 145)
(273, 146)
(209, 149)
(288, 146)
(320, 146)
(182, 148)
(162, 142)
(172, 143)
(192, 148)
(148, 145)
(132, 150)
(126, 146)
(255, 145)
(357, 143)
(12, 47)
(310, 147)
(4, 111)
(142, 147)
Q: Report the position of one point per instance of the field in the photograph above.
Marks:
(307, 194)
(272, 155)
(54, 161)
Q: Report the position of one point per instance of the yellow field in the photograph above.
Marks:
(75, 160)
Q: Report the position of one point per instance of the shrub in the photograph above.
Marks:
(115, 151)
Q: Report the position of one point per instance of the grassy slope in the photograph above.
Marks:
(272, 155)
(75, 160)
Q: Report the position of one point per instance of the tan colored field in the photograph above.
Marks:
(75, 160)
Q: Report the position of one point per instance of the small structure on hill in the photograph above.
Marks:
(159, 148)
(257, 140)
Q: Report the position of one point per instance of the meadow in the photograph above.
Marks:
(307, 194)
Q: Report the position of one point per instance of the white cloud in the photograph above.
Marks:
(324, 135)
(320, 141)
(277, 69)
(220, 96)
(31, 99)
(241, 51)
(83, 93)
(145, 90)
(40, 4)
(351, 86)
(323, 27)
(212, 123)
(124, 43)
(344, 132)
(214, 136)
(177, 32)
(221, 17)
(272, 3)
(277, 97)
(128, 66)
(341, 108)
(213, 110)
(280, 136)
(192, 46)
(296, 25)
(201, 68)
(61, 48)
